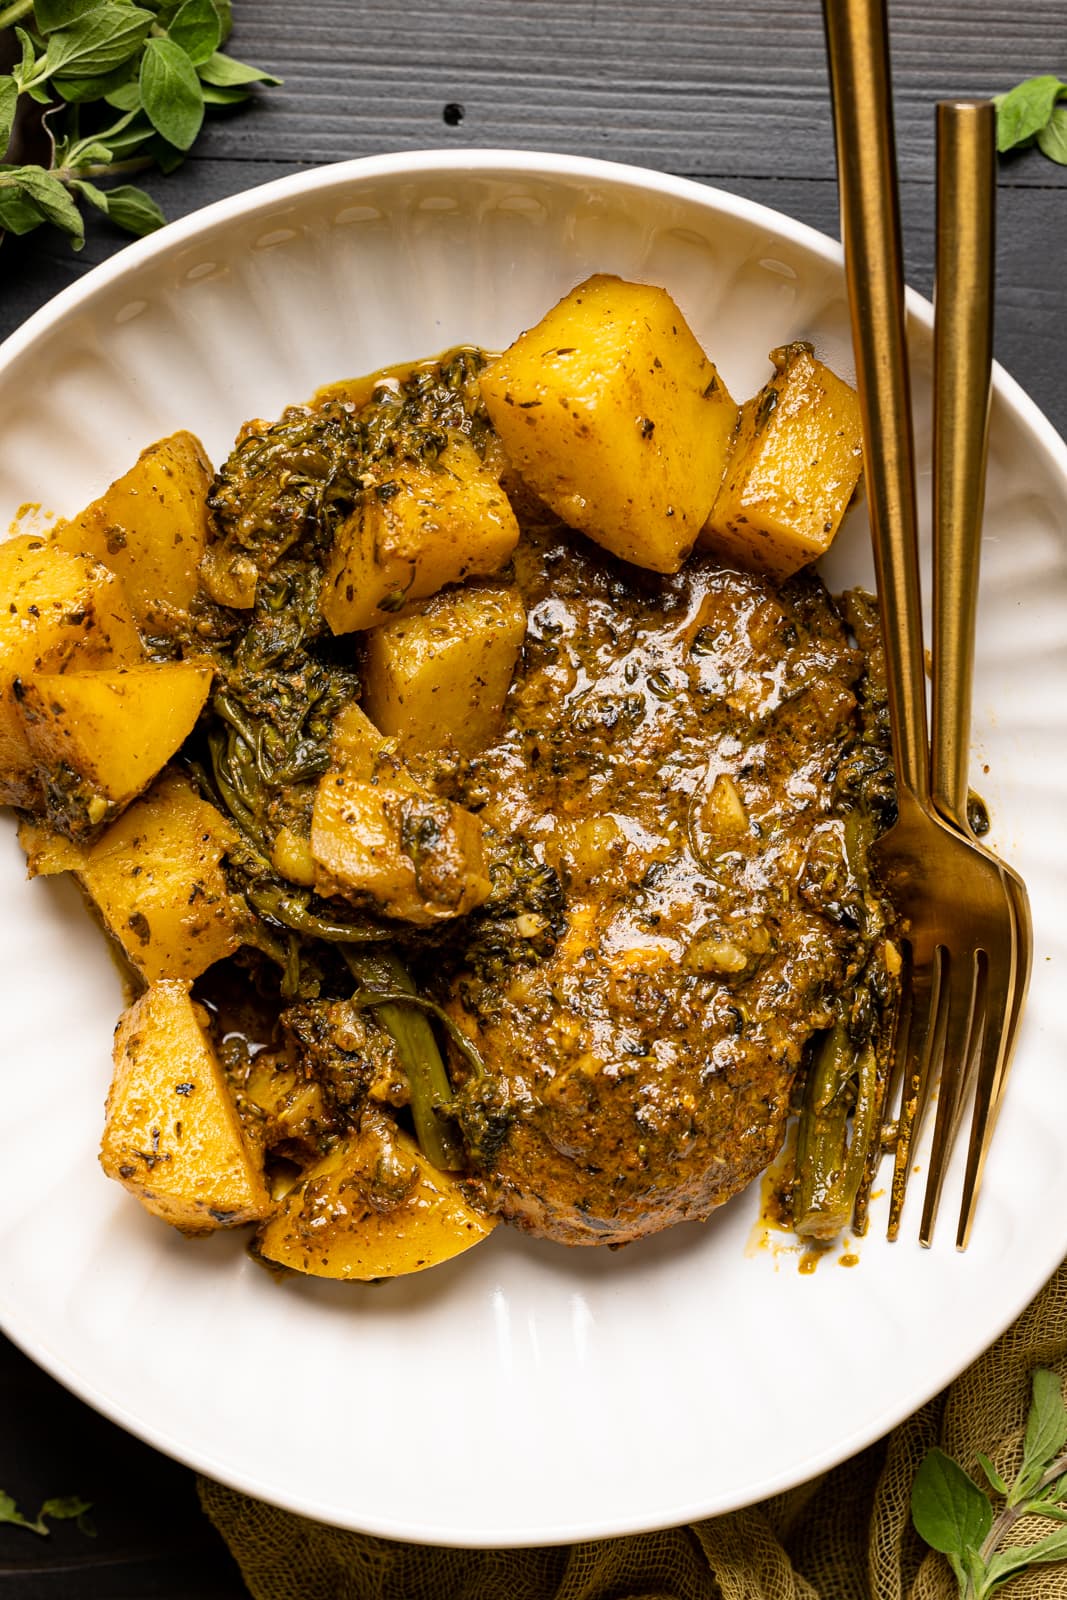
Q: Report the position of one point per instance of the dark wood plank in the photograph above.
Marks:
(151, 1537)
(695, 86)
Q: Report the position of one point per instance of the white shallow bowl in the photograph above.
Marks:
(523, 1393)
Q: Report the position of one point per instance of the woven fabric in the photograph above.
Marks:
(845, 1536)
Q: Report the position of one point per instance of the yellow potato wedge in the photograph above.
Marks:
(172, 1135)
(60, 612)
(100, 737)
(440, 675)
(425, 525)
(156, 879)
(412, 855)
(373, 1207)
(795, 465)
(151, 528)
(612, 412)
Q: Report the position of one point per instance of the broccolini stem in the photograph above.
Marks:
(378, 997)
(292, 912)
(830, 1163)
(381, 972)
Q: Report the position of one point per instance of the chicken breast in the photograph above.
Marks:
(686, 754)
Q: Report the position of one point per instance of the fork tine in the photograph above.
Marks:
(1006, 993)
(917, 1029)
(962, 1006)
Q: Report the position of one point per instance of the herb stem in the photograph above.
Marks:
(102, 169)
(15, 12)
(1021, 1508)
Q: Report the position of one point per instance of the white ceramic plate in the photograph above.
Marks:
(523, 1393)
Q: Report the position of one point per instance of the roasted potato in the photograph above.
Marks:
(61, 612)
(794, 467)
(156, 879)
(427, 524)
(440, 674)
(373, 1207)
(150, 528)
(414, 856)
(172, 1135)
(100, 737)
(612, 412)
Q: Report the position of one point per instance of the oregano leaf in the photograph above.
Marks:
(1024, 110)
(9, 99)
(134, 210)
(127, 97)
(79, 90)
(51, 198)
(101, 40)
(23, 72)
(170, 93)
(196, 29)
(1046, 1427)
(18, 215)
(96, 197)
(1052, 140)
(992, 1474)
(65, 1508)
(226, 73)
(166, 156)
(224, 97)
(1015, 1558)
(225, 12)
(49, 15)
(949, 1510)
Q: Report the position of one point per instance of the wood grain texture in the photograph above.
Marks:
(734, 96)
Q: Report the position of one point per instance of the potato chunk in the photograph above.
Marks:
(425, 525)
(151, 528)
(440, 675)
(413, 856)
(172, 1134)
(612, 412)
(59, 611)
(373, 1207)
(156, 879)
(99, 738)
(795, 465)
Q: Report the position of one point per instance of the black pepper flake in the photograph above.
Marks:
(768, 400)
(184, 1088)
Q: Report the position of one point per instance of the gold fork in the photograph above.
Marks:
(963, 363)
(956, 918)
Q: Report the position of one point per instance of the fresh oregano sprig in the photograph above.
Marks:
(66, 1508)
(955, 1515)
(1034, 112)
(125, 87)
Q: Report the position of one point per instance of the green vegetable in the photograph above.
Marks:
(1032, 113)
(67, 1508)
(384, 985)
(953, 1513)
(157, 64)
(837, 1125)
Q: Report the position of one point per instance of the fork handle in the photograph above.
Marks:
(963, 368)
(858, 49)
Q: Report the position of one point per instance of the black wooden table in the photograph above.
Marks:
(733, 96)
